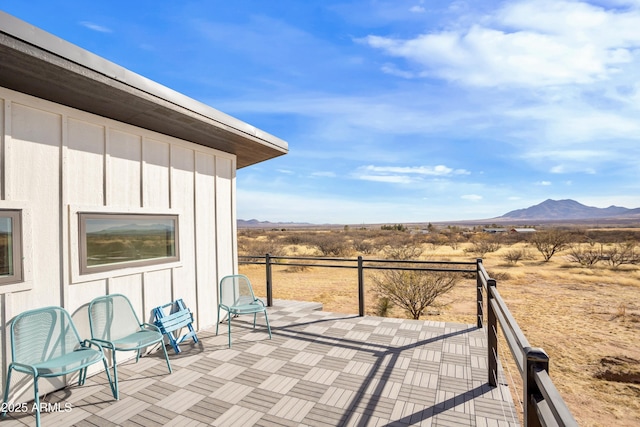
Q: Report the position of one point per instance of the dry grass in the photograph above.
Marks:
(586, 319)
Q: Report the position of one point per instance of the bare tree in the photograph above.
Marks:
(330, 244)
(413, 290)
(482, 244)
(622, 253)
(514, 255)
(402, 251)
(363, 246)
(550, 242)
(586, 256)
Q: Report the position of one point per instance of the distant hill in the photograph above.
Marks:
(569, 210)
(254, 223)
(549, 212)
(135, 229)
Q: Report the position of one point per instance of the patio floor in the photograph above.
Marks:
(320, 369)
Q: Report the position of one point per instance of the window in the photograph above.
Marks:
(114, 241)
(10, 246)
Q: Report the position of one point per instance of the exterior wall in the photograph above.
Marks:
(56, 161)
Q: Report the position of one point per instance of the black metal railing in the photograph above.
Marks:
(356, 263)
(542, 403)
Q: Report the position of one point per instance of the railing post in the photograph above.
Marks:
(480, 307)
(267, 263)
(492, 335)
(360, 287)
(535, 360)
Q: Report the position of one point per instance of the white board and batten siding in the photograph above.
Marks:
(57, 161)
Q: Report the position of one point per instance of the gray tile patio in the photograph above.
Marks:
(320, 369)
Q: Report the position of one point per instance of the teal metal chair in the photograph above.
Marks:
(115, 324)
(45, 343)
(236, 298)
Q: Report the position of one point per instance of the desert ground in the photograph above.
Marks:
(586, 317)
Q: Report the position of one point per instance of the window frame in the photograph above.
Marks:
(17, 252)
(85, 269)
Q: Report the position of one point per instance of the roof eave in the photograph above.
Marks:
(35, 62)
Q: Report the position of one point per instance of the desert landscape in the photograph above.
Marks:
(580, 304)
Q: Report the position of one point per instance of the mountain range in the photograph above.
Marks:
(569, 210)
(135, 229)
(548, 211)
(254, 223)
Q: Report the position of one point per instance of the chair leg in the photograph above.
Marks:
(36, 400)
(174, 342)
(166, 356)
(192, 333)
(82, 376)
(6, 393)
(113, 387)
(266, 318)
(218, 322)
(115, 376)
(254, 320)
(229, 327)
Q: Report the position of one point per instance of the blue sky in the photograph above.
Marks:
(395, 111)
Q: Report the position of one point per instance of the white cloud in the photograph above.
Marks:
(558, 169)
(572, 160)
(439, 170)
(393, 70)
(471, 197)
(569, 120)
(536, 43)
(417, 9)
(285, 171)
(95, 27)
(544, 183)
(392, 179)
(324, 174)
(405, 174)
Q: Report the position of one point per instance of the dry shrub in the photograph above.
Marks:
(297, 269)
(435, 240)
(383, 307)
(551, 241)
(363, 246)
(483, 244)
(500, 276)
(622, 253)
(413, 291)
(259, 247)
(295, 238)
(330, 244)
(402, 251)
(622, 311)
(585, 256)
(512, 256)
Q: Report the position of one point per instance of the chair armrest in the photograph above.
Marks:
(23, 367)
(150, 326)
(90, 343)
(100, 342)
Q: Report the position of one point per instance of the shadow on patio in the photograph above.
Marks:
(320, 369)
